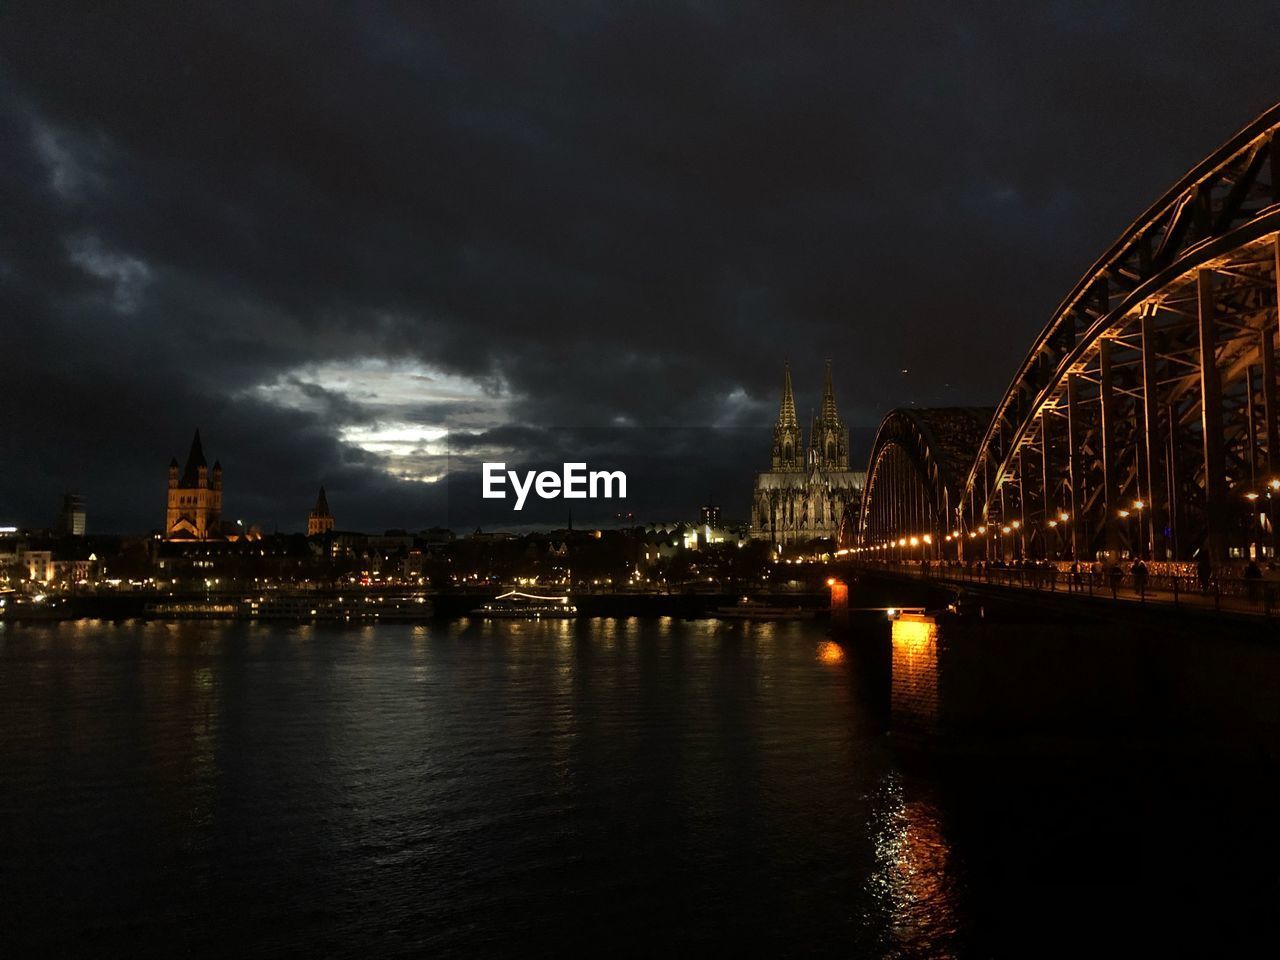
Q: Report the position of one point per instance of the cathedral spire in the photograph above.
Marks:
(829, 437)
(322, 505)
(828, 397)
(787, 413)
(787, 452)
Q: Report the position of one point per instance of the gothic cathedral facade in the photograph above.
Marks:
(807, 488)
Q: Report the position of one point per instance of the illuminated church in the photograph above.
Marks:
(195, 497)
(808, 487)
(320, 519)
(195, 502)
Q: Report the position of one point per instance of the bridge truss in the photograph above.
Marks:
(915, 477)
(1144, 419)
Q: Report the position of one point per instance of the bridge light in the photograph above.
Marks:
(1275, 483)
(1064, 516)
(1053, 523)
(983, 528)
(915, 541)
(972, 535)
(1017, 524)
(1006, 528)
(927, 538)
(902, 541)
(1251, 495)
(1124, 513)
(1139, 504)
(948, 538)
(955, 533)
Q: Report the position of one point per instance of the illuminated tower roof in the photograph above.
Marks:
(828, 436)
(829, 397)
(787, 412)
(320, 520)
(195, 460)
(787, 453)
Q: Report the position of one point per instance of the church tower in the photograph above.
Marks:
(195, 497)
(786, 432)
(320, 520)
(828, 436)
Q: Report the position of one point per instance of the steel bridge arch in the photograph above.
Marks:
(1145, 418)
(916, 471)
(1114, 435)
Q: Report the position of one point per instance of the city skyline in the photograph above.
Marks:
(458, 482)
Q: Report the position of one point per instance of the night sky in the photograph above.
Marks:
(356, 247)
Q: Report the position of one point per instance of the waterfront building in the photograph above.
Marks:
(320, 520)
(75, 566)
(807, 488)
(36, 564)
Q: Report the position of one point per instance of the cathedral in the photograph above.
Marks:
(807, 489)
(195, 498)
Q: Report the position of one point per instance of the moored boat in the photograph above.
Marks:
(515, 605)
(749, 609)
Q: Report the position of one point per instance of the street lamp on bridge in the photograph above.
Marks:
(1140, 549)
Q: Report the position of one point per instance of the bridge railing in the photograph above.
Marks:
(1232, 594)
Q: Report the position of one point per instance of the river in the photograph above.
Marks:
(634, 787)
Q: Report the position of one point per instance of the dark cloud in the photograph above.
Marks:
(553, 216)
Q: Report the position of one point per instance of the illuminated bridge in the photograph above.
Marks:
(1143, 420)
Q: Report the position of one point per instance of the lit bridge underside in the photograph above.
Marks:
(1143, 420)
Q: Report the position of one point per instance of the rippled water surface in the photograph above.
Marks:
(629, 787)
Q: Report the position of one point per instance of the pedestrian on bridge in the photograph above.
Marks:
(1139, 571)
(1253, 577)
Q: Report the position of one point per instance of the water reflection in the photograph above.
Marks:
(914, 692)
(829, 652)
(913, 882)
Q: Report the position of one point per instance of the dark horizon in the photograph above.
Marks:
(326, 239)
